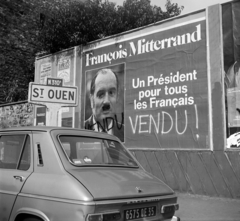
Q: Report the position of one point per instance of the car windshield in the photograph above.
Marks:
(82, 151)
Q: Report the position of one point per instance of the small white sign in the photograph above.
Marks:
(39, 93)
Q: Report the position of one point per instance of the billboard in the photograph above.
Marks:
(60, 65)
(231, 54)
(160, 78)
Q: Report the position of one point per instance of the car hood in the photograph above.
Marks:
(104, 183)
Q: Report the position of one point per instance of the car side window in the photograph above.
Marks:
(15, 152)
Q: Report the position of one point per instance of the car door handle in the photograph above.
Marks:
(21, 178)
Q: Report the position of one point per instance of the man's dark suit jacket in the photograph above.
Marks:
(118, 130)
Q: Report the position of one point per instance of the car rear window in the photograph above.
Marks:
(86, 151)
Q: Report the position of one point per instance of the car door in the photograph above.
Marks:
(15, 167)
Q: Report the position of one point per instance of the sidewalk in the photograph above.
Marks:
(204, 208)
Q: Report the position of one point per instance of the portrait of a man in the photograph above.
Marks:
(106, 115)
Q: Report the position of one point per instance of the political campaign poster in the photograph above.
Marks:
(45, 72)
(64, 67)
(231, 55)
(41, 115)
(165, 86)
(104, 100)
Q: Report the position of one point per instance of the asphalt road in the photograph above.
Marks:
(204, 208)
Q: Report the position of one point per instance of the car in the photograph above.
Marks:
(61, 174)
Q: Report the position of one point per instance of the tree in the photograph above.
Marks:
(77, 23)
(18, 46)
(28, 27)
(138, 13)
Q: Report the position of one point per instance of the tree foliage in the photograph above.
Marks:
(18, 45)
(28, 27)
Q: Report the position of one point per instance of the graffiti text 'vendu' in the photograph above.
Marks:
(107, 124)
(148, 123)
(144, 46)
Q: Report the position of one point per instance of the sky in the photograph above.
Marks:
(189, 5)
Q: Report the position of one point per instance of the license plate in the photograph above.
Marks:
(138, 213)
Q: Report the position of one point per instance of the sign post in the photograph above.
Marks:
(53, 96)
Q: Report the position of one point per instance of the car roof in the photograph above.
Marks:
(37, 128)
(51, 128)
